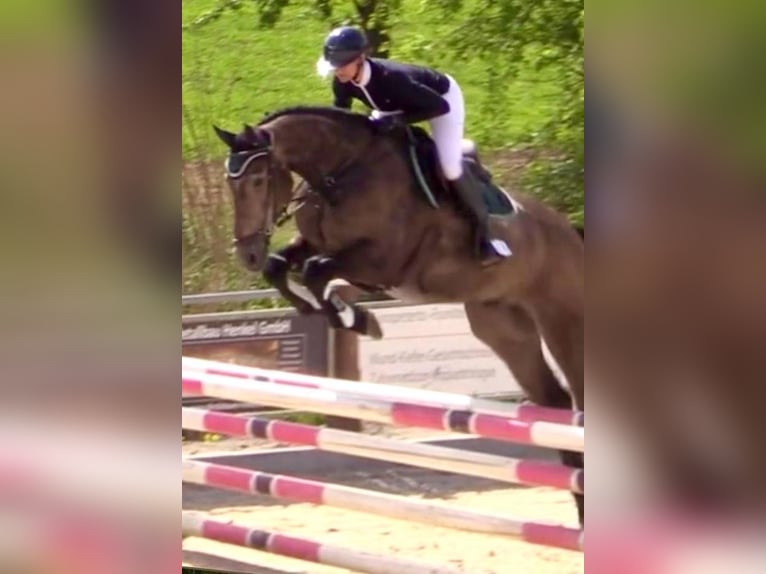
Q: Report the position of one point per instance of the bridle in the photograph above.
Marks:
(247, 158)
(236, 165)
(324, 187)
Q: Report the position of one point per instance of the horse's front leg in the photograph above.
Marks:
(319, 271)
(276, 272)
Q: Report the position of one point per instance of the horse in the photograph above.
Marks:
(364, 216)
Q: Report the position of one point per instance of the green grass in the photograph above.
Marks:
(234, 72)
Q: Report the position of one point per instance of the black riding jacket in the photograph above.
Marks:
(415, 91)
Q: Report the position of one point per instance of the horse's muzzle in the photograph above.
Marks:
(253, 251)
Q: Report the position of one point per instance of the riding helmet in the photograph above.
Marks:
(344, 44)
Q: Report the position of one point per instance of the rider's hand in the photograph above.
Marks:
(388, 123)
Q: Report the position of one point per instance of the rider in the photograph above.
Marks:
(406, 93)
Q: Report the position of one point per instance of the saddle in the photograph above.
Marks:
(435, 188)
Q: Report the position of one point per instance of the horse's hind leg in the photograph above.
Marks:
(563, 333)
(512, 334)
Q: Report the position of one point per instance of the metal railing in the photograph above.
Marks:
(229, 297)
(261, 294)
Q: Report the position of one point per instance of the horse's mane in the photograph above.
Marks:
(328, 112)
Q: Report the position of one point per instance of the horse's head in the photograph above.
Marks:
(260, 186)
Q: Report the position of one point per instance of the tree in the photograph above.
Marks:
(547, 34)
(373, 16)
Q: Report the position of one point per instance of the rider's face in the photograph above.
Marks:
(349, 71)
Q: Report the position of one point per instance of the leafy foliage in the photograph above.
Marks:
(375, 16)
(511, 35)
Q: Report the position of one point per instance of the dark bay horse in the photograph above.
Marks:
(362, 218)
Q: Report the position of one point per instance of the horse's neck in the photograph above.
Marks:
(311, 146)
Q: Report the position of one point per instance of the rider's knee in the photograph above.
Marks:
(452, 170)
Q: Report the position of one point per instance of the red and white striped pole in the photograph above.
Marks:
(377, 503)
(506, 469)
(548, 435)
(452, 401)
(194, 524)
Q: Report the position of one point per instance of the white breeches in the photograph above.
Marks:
(447, 132)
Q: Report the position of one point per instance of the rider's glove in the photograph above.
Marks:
(388, 123)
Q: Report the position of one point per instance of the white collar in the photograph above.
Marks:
(366, 73)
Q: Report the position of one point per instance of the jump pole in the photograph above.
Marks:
(452, 401)
(196, 524)
(505, 469)
(377, 503)
(544, 434)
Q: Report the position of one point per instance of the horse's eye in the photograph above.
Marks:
(257, 179)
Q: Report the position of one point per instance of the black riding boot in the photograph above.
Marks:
(488, 249)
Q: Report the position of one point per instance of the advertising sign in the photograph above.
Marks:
(282, 342)
(432, 347)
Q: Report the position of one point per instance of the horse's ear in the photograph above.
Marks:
(226, 137)
(257, 137)
(250, 134)
(265, 137)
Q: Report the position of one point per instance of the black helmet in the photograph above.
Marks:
(344, 44)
